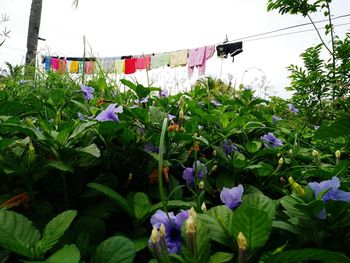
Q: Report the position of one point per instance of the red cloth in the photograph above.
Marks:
(130, 65)
(143, 63)
(54, 63)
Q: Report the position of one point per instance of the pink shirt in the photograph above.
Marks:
(143, 63)
(197, 57)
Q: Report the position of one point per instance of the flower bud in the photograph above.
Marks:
(279, 155)
(162, 231)
(280, 161)
(130, 177)
(290, 151)
(337, 154)
(191, 236)
(201, 185)
(154, 235)
(298, 189)
(242, 248)
(181, 114)
(315, 153)
(31, 153)
(291, 180)
(192, 213)
(242, 241)
(204, 207)
(215, 153)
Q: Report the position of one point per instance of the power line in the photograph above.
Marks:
(287, 28)
(291, 33)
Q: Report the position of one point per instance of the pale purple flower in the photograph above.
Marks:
(172, 228)
(142, 101)
(275, 118)
(171, 117)
(292, 108)
(164, 93)
(110, 113)
(332, 194)
(229, 147)
(188, 173)
(81, 116)
(88, 92)
(216, 103)
(232, 198)
(271, 141)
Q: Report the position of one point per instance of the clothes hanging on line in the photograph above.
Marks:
(193, 58)
(232, 49)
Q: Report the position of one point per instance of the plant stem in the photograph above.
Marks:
(160, 165)
(319, 35)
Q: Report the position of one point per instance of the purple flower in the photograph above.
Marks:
(172, 228)
(275, 118)
(332, 194)
(229, 147)
(271, 141)
(151, 148)
(142, 101)
(232, 197)
(110, 113)
(292, 108)
(164, 93)
(171, 117)
(87, 92)
(81, 116)
(216, 103)
(188, 173)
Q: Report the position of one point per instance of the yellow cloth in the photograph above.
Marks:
(74, 67)
(120, 66)
(178, 58)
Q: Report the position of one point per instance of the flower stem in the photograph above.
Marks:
(160, 165)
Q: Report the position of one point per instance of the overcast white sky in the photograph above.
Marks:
(133, 27)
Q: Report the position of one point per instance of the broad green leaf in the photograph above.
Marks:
(261, 202)
(254, 223)
(218, 220)
(141, 205)
(67, 254)
(120, 200)
(60, 166)
(265, 169)
(92, 149)
(54, 230)
(140, 243)
(17, 233)
(340, 127)
(80, 129)
(239, 160)
(202, 240)
(285, 226)
(308, 254)
(220, 257)
(114, 249)
(253, 146)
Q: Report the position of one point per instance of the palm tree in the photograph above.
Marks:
(33, 31)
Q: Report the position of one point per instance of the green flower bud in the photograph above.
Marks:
(315, 154)
(337, 154)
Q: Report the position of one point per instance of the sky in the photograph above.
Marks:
(133, 27)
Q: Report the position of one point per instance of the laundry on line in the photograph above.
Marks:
(193, 58)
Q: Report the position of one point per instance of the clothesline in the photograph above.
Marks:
(193, 58)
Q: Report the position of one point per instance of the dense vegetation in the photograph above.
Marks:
(92, 174)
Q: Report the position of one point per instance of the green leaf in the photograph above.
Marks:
(61, 166)
(171, 205)
(239, 160)
(261, 202)
(285, 226)
(92, 149)
(265, 169)
(218, 220)
(67, 254)
(54, 230)
(340, 127)
(117, 198)
(17, 233)
(140, 243)
(114, 249)
(308, 254)
(220, 257)
(253, 146)
(254, 223)
(80, 129)
(141, 205)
